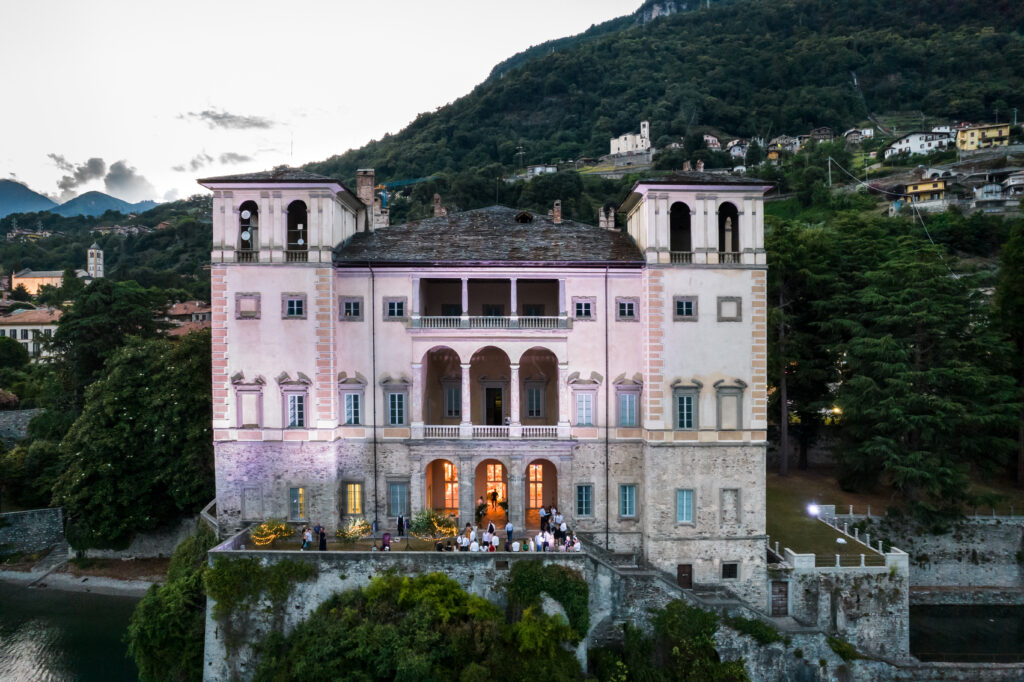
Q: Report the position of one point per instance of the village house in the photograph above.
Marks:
(917, 143)
(367, 370)
(712, 142)
(31, 328)
(983, 136)
(34, 280)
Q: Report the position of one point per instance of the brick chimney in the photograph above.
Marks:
(364, 186)
(439, 210)
(556, 214)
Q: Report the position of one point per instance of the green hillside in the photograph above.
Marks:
(751, 67)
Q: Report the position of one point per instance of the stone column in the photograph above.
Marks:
(465, 296)
(417, 400)
(515, 412)
(516, 496)
(514, 296)
(561, 297)
(415, 301)
(466, 430)
(467, 489)
(417, 486)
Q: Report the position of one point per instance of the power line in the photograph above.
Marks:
(917, 213)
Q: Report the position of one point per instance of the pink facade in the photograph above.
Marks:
(368, 369)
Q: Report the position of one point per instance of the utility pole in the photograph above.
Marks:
(1015, 117)
(830, 172)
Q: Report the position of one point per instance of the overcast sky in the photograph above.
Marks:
(140, 98)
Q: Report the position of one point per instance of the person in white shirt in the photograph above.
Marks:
(543, 513)
(577, 545)
(549, 542)
(472, 535)
(509, 529)
(540, 542)
(494, 542)
(515, 546)
(486, 538)
(474, 546)
(562, 527)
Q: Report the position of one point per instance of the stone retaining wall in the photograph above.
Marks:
(31, 531)
(158, 543)
(480, 574)
(14, 425)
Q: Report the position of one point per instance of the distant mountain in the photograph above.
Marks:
(17, 198)
(98, 203)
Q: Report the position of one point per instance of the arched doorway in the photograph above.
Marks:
(491, 484)
(248, 226)
(489, 372)
(441, 480)
(541, 489)
(442, 387)
(298, 227)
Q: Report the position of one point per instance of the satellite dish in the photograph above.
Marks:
(246, 214)
(301, 241)
(246, 235)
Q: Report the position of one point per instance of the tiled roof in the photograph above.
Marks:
(39, 316)
(48, 273)
(490, 236)
(283, 174)
(702, 178)
(188, 307)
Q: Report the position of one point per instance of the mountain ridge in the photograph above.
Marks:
(17, 197)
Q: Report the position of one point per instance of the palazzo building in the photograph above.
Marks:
(371, 370)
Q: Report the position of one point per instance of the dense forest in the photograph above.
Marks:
(752, 68)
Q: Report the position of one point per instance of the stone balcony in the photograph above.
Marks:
(483, 432)
(489, 322)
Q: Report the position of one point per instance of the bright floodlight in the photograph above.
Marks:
(812, 509)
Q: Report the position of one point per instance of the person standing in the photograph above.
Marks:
(323, 539)
(401, 526)
(509, 530)
(543, 513)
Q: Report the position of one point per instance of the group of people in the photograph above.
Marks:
(316, 534)
(547, 540)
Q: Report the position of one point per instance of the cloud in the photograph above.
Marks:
(232, 157)
(224, 119)
(79, 174)
(178, 169)
(124, 182)
(171, 195)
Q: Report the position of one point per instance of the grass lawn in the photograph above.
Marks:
(790, 524)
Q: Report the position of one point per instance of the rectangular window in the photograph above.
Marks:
(685, 308)
(294, 307)
(453, 401)
(684, 506)
(730, 570)
(396, 409)
(534, 408)
(24, 334)
(533, 310)
(584, 409)
(353, 498)
(583, 310)
(493, 310)
(297, 508)
(584, 500)
(684, 412)
(451, 309)
(352, 309)
(3, 332)
(398, 499)
(627, 500)
(351, 408)
(396, 308)
(535, 473)
(627, 409)
(451, 486)
(296, 410)
(247, 306)
(625, 308)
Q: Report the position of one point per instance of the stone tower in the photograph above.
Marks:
(94, 262)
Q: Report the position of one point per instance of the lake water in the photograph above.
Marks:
(967, 633)
(52, 636)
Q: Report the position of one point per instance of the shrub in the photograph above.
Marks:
(529, 578)
(762, 632)
(269, 531)
(353, 531)
(844, 649)
(431, 524)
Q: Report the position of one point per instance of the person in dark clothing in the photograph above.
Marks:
(323, 540)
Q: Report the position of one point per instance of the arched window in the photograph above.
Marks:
(248, 227)
(298, 226)
(679, 228)
(728, 228)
